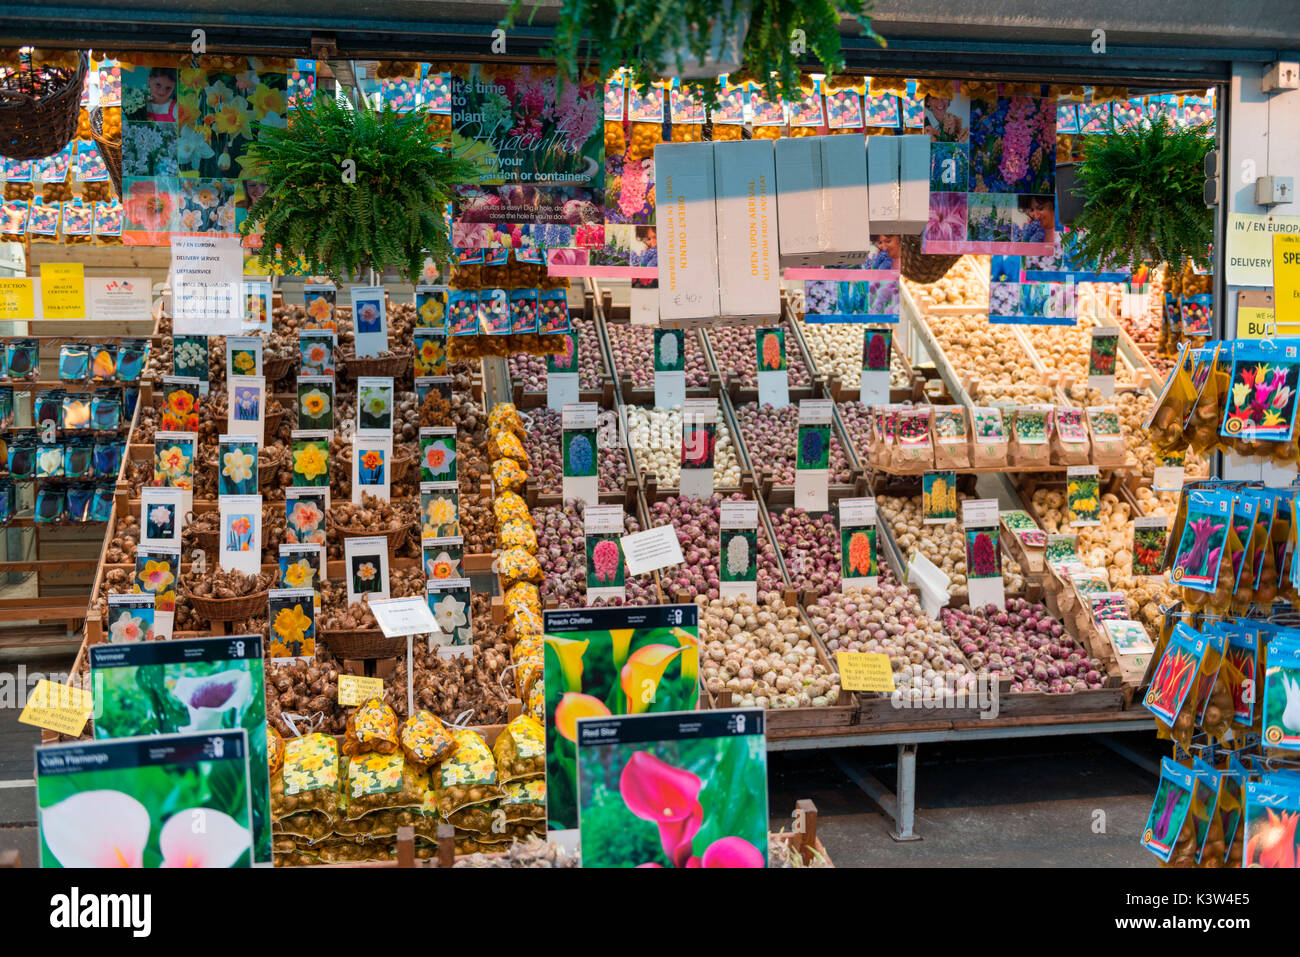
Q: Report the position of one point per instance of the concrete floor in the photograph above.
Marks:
(1028, 803)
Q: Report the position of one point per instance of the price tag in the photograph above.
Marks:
(399, 617)
(979, 512)
(355, 690)
(652, 549)
(864, 671)
(57, 707)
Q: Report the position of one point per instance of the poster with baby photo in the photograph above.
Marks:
(316, 402)
(240, 533)
(130, 618)
(237, 464)
(371, 460)
(243, 356)
(375, 406)
(365, 561)
(245, 404)
(162, 516)
(291, 614)
(319, 300)
(369, 320)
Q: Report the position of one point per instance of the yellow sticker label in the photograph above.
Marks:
(57, 707)
(63, 290)
(357, 689)
(864, 671)
(1254, 322)
(17, 300)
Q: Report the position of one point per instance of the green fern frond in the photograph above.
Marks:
(388, 217)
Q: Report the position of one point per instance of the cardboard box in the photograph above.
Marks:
(749, 275)
(913, 183)
(688, 231)
(822, 200)
(882, 188)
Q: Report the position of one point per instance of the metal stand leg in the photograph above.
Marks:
(901, 808)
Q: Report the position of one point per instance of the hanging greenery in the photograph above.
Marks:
(658, 38)
(1143, 200)
(351, 189)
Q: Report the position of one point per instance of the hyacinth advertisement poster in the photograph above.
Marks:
(539, 146)
(673, 790)
(992, 174)
(602, 662)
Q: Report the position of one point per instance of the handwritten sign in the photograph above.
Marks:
(355, 690)
(57, 707)
(865, 671)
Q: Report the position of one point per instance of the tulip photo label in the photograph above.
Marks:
(562, 373)
(186, 687)
(980, 526)
(673, 790)
(699, 447)
(603, 531)
(240, 538)
(738, 546)
(292, 616)
(858, 543)
(180, 405)
(602, 662)
(175, 800)
(1169, 810)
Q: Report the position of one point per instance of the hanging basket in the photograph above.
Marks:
(919, 267)
(39, 108)
(111, 150)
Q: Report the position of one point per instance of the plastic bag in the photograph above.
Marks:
(309, 780)
(469, 776)
(518, 564)
(425, 740)
(525, 800)
(524, 595)
(517, 534)
(310, 826)
(371, 727)
(506, 474)
(505, 418)
(506, 445)
(509, 506)
(383, 781)
(350, 852)
(274, 749)
(537, 700)
(520, 750)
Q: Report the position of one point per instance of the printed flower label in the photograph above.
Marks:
(858, 536)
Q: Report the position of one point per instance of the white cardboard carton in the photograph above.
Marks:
(882, 175)
(688, 260)
(749, 276)
(822, 200)
(913, 183)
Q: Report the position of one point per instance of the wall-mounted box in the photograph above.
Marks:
(749, 274)
(822, 200)
(688, 231)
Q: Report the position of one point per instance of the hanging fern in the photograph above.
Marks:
(1142, 191)
(386, 213)
(647, 37)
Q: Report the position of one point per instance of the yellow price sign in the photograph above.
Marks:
(57, 707)
(357, 689)
(17, 300)
(865, 671)
(1286, 278)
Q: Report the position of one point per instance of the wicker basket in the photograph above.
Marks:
(367, 643)
(276, 368)
(111, 150)
(384, 366)
(207, 541)
(396, 536)
(919, 267)
(271, 424)
(228, 609)
(39, 108)
(402, 462)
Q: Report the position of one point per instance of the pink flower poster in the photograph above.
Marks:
(992, 174)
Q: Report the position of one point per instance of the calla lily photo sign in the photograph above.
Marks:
(172, 800)
(673, 790)
(602, 662)
(189, 686)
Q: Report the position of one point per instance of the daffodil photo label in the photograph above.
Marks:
(292, 616)
(243, 355)
(237, 465)
(316, 402)
(366, 563)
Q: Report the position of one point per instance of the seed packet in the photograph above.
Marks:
(463, 313)
(468, 777)
(1271, 810)
(74, 362)
(43, 220)
(912, 450)
(1070, 444)
(1242, 654)
(1203, 540)
(1265, 381)
(1281, 706)
(46, 409)
(103, 362)
(1175, 674)
(1029, 436)
(106, 411)
(552, 311)
(131, 355)
(1168, 817)
(951, 446)
(22, 359)
(6, 407)
(51, 504)
(78, 221)
(494, 312)
(523, 310)
(75, 412)
(78, 458)
(79, 500)
(108, 221)
(101, 505)
(13, 220)
(107, 460)
(989, 437)
(8, 501)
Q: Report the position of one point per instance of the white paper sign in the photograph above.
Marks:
(857, 515)
(652, 549)
(240, 533)
(670, 389)
(811, 486)
(697, 482)
(162, 516)
(979, 512)
(398, 617)
(738, 520)
(119, 297)
(207, 283)
(369, 320)
(365, 563)
(933, 582)
(584, 418)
